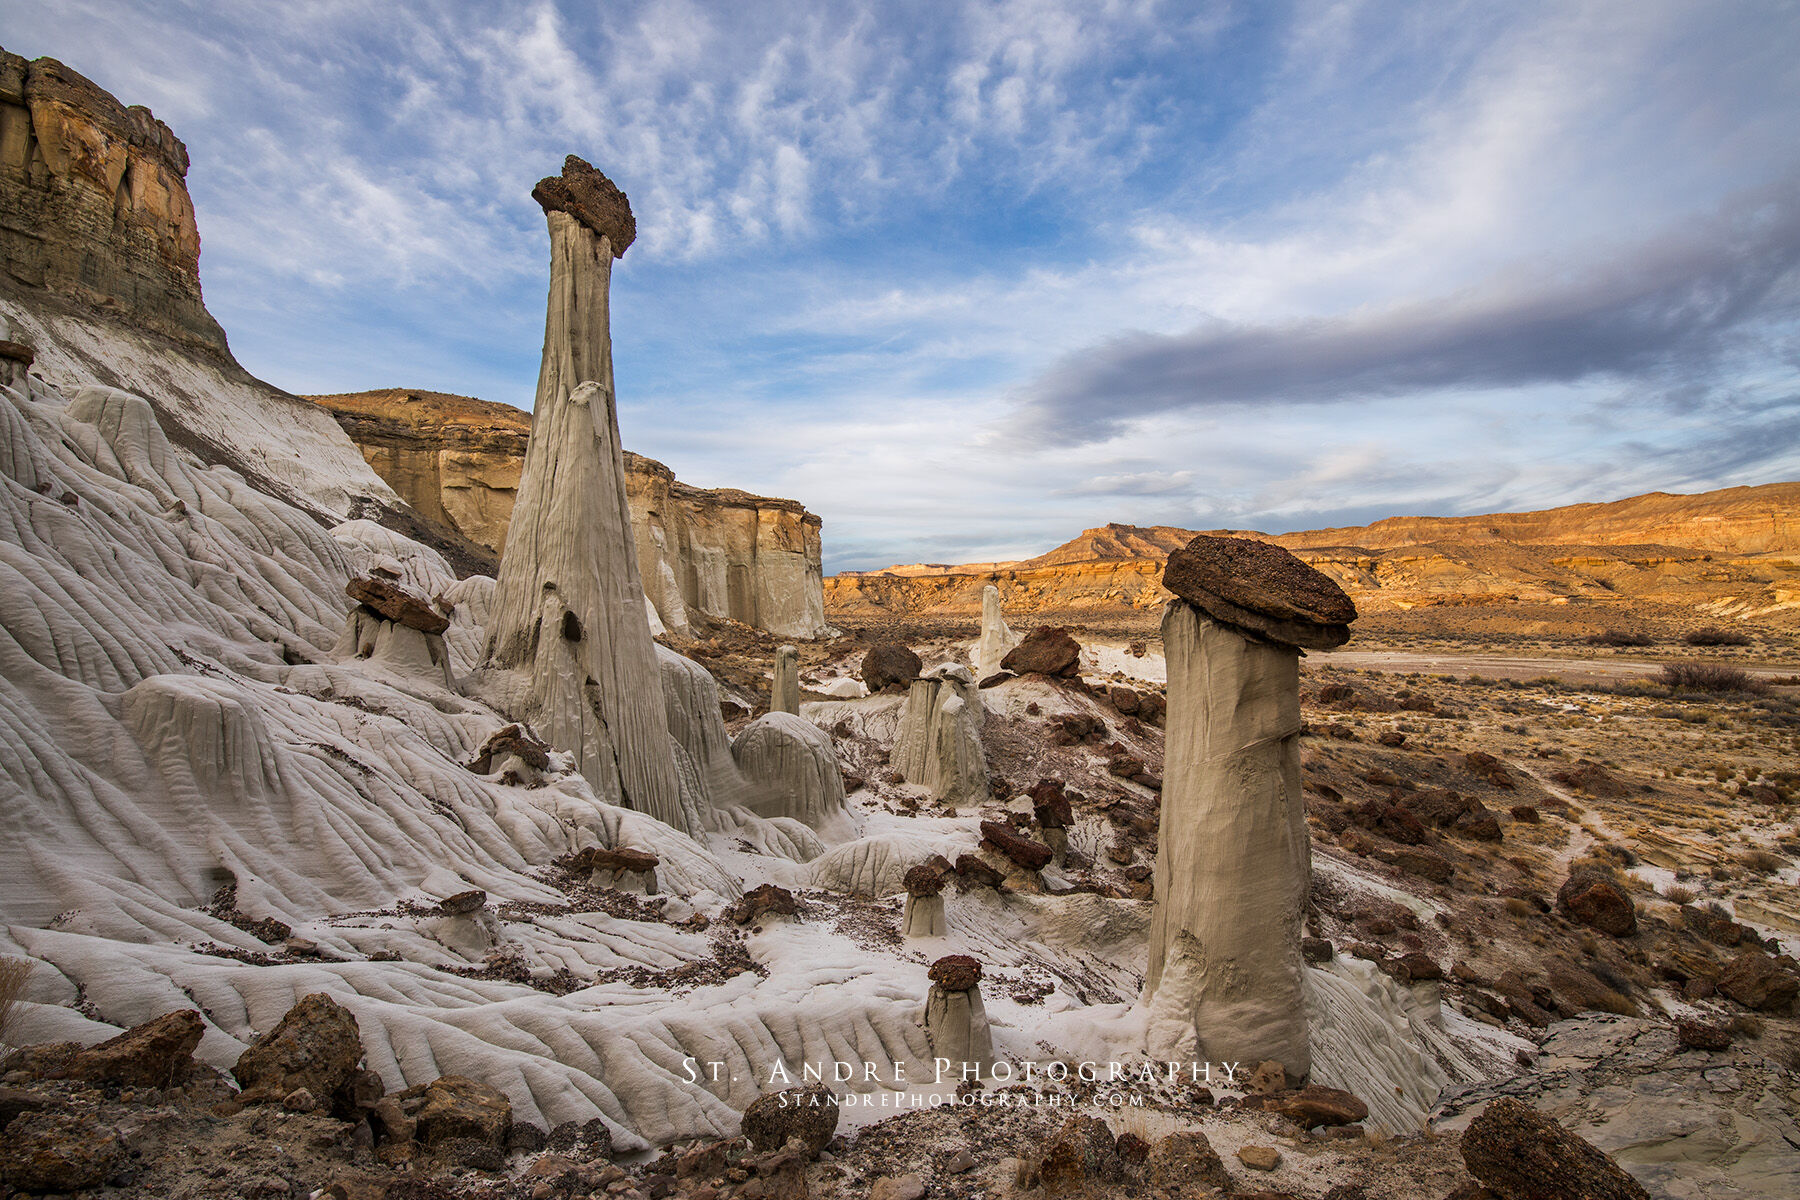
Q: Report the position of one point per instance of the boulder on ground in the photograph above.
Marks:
(58, 1152)
(974, 872)
(767, 900)
(1594, 900)
(1522, 1154)
(1081, 1158)
(1051, 650)
(157, 1053)
(1754, 980)
(1261, 587)
(889, 664)
(1184, 1165)
(807, 1114)
(315, 1046)
(1050, 802)
(1314, 1106)
(452, 1107)
(1698, 1035)
(1028, 854)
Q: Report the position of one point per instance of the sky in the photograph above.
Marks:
(968, 278)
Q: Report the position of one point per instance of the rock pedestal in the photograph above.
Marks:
(784, 696)
(955, 1020)
(1233, 863)
(924, 903)
(939, 742)
(997, 639)
(568, 619)
(395, 626)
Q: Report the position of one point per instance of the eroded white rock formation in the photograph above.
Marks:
(1233, 863)
(956, 1022)
(996, 636)
(569, 646)
(784, 694)
(792, 769)
(939, 741)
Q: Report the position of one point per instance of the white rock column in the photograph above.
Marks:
(996, 637)
(1233, 862)
(784, 696)
(956, 1022)
(568, 612)
(938, 744)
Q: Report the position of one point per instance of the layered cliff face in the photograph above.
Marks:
(1727, 554)
(705, 552)
(95, 205)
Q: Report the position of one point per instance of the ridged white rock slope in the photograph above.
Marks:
(570, 647)
(791, 763)
(1234, 859)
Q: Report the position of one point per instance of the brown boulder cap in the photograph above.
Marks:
(591, 198)
(1263, 588)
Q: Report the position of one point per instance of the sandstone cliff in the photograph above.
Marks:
(94, 202)
(1733, 553)
(706, 552)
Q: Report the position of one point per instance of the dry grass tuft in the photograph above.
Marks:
(1676, 894)
(13, 974)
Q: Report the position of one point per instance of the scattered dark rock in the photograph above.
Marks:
(1051, 804)
(767, 900)
(1316, 950)
(1050, 650)
(1594, 779)
(316, 1046)
(1083, 1154)
(804, 1113)
(889, 664)
(1028, 854)
(1596, 901)
(1184, 1162)
(58, 1152)
(1523, 1155)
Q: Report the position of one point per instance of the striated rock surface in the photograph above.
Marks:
(1233, 861)
(939, 741)
(702, 552)
(997, 638)
(791, 764)
(568, 645)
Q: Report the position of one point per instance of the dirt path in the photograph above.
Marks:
(1503, 666)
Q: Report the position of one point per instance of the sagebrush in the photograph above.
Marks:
(13, 974)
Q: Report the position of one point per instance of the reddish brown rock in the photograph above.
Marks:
(1183, 1163)
(463, 903)
(59, 1152)
(1081, 1157)
(1313, 1106)
(601, 858)
(315, 1046)
(1028, 854)
(512, 740)
(156, 1054)
(923, 881)
(452, 1107)
(806, 1113)
(974, 872)
(1050, 802)
(955, 972)
(1523, 1155)
(767, 900)
(889, 664)
(1755, 980)
(1596, 901)
(1698, 1035)
(397, 602)
(592, 199)
(1594, 779)
(1049, 650)
(1258, 586)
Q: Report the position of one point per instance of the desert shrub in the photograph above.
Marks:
(1676, 894)
(13, 974)
(1520, 908)
(1762, 862)
(1706, 677)
(1717, 637)
(1618, 637)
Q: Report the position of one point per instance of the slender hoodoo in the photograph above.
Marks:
(784, 696)
(569, 623)
(1234, 863)
(997, 638)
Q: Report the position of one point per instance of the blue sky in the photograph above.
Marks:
(966, 279)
